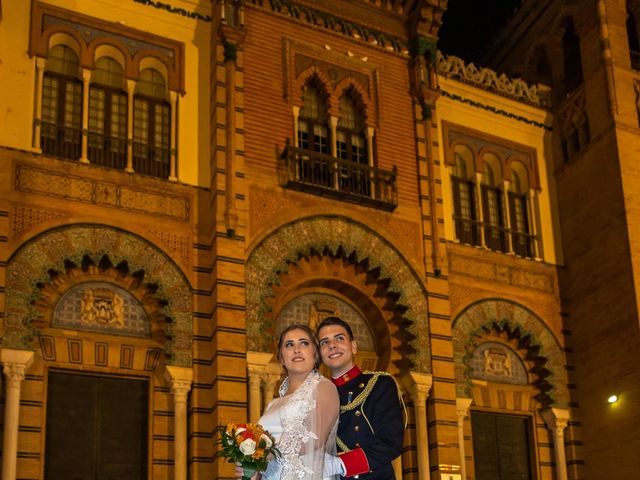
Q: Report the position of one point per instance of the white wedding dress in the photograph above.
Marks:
(304, 425)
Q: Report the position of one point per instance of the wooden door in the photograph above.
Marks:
(502, 447)
(97, 427)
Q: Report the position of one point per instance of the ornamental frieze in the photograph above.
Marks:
(515, 88)
(99, 192)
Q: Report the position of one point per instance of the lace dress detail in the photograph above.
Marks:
(294, 418)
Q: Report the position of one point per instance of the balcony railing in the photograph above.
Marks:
(106, 151)
(467, 230)
(323, 174)
(150, 160)
(495, 237)
(59, 141)
(470, 232)
(111, 152)
(523, 244)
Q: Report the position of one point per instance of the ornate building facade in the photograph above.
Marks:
(181, 180)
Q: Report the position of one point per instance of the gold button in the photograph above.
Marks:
(357, 428)
(361, 385)
(357, 445)
(358, 413)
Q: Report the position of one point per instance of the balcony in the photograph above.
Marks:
(496, 238)
(111, 152)
(324, 175)
(59, 141)
(150, 160)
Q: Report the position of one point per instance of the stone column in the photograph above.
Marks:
(173, 96)
(296, 114)
(40, 66)
(86, 79)
(372, 180)
(508, 228)
(131, 89)
(534, 216)
(418, 385)
(557, 420)
(462, 409)
(269, 387)
(479, 209)
(257, 369)
(14, 363)
(180, 379)
(333, 123)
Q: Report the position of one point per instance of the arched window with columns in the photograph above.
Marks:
(521, 238)
(313, 128)
(351, 144)
(464, 196)
(61, 124)
(492, 204)
(573, 75)
(151, 125)
(107, 136)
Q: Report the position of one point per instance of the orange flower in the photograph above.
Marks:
(259, 453)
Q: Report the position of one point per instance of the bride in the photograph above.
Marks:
(304, 419)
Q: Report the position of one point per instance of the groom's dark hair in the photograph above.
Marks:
(335, 321)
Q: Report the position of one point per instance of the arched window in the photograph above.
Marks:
(231, 11)
(521, 239)
(492, 205)
(351, 141)
(107, 137)
(351, 145)
(151, 125)
(61, 104)
(632, 38)
(465, 215)
(313, 130)
(572, 59)
(540, 68)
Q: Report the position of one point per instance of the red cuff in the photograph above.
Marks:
(355, 462)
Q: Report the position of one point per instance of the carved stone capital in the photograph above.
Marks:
(180, 380)
(462, 407)
(556, 420)
(418, 385)
(15, 363)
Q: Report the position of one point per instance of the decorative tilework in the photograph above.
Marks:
(286, 244)
(482, 317)
(28, 268)
(71, 309)
(313, 308)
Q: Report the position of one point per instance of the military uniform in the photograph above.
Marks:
(371, 425)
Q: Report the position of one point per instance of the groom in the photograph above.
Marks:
(371, 426)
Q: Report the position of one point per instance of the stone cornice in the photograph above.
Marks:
(316, 16)
(514, 88)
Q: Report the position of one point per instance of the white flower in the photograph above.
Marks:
(267, 441)
(248, 446)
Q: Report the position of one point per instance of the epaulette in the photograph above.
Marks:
(359, 400)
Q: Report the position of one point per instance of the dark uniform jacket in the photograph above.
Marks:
(371, 427)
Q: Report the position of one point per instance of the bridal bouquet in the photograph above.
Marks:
(248, 444)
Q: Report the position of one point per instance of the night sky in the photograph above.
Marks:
(468, 25)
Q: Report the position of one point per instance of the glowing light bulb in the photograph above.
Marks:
(612, 399)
